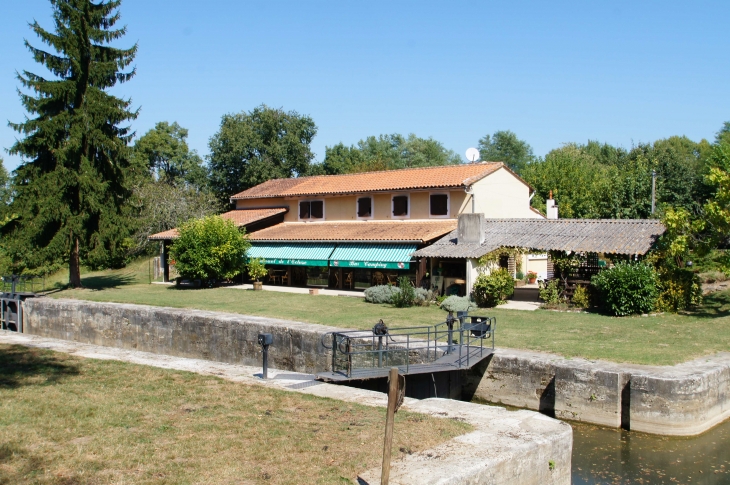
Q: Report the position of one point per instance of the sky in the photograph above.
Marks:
(621, 72)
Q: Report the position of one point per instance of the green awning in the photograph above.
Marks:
(294, 254)
(372, 256)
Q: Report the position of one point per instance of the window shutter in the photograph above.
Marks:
(439, 204)
(317, 209)
(304, 209)
(364, 207)
(400, 205)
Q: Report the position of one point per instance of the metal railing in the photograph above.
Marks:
(460, 338)
(23, 284)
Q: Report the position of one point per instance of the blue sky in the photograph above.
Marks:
(552, 72)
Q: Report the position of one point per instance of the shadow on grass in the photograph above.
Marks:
(20, 363)
(714, 305)
(103, 282)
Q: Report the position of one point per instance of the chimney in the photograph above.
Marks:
(552, 207)
(470, 229)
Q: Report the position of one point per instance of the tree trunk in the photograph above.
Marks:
(74, 265)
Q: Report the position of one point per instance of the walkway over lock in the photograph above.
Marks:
(457, 343)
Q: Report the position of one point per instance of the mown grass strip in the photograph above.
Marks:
(67, 420)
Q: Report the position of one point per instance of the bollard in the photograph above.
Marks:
(265, 339)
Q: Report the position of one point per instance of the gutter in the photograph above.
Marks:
(374, 241)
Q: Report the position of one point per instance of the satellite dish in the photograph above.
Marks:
(472, 154)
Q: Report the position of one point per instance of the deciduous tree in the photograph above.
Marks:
(504, 146)
(263, 144)
(164, 150)
(387, 152)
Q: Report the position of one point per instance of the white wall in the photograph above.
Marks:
(502, 195)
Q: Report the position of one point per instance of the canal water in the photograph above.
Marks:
(610, 456)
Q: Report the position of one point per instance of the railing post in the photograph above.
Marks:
(408, 352)
(380, 351)
(349, 358)
(334, 352)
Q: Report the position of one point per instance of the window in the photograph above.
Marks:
(365, 207)
(311, 209)
(439, 205)
(400, 206)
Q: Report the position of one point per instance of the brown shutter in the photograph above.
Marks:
(304, 209)
(439, 204)
(317, 209)
(400, 205)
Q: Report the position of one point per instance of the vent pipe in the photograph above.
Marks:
(552, 207)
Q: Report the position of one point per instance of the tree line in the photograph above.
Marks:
(88, 192)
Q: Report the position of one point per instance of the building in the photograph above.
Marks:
(355, 230)
(598, 239)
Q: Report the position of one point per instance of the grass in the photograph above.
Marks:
(72, 421)
(662, 340)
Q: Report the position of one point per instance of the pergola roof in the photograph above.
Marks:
(240, 217)
(386, 231)
(610, 236)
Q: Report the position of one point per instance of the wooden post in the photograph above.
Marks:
(165, 262)
(388, 441)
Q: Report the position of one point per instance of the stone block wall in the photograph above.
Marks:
(196, 334)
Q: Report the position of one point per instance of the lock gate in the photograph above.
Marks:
(457, 343)
(11, 299)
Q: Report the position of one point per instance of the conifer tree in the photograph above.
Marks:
(70, 188)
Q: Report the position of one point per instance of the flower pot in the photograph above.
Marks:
(314, 291)
(258, 286)
(532, 281)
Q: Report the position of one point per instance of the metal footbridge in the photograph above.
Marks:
(457, 343)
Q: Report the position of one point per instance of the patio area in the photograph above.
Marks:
(295, 289)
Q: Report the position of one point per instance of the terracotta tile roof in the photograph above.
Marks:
(240, 217)
(246, 216)
(388, 180)
(611, 236)
(411, 231)
(165, 235)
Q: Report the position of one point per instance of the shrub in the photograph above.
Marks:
(457, 304)
(406, 297)
(209, 249)
(679, 289)
(551, 293)
(423, 296)
(627, 288)
(381, 294)
(581, 297)
(257, 269)
(492, 289)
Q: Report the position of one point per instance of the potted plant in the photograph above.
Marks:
(257, 270)
(531, 277)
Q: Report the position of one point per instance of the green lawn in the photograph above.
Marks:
(72, 421)
(666, 339)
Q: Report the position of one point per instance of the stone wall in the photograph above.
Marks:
(685, 399)
(221, 337)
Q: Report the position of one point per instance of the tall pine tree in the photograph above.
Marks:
(70, 188)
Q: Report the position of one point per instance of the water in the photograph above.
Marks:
(610, 456)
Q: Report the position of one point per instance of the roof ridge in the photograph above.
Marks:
(381, 221)
(529, 219)
(431, 167)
